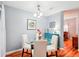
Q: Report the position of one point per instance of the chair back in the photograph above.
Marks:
(54, 41)
(40, 48)
(25, 40)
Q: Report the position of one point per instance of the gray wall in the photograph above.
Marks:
(59, 19)
(16, 25)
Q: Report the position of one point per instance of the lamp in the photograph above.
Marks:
(38, 14)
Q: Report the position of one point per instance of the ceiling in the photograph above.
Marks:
(47, 7)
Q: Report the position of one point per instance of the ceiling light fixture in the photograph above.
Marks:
(38, 14)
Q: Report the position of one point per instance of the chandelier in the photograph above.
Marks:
(38, 14)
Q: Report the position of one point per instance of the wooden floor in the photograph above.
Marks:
(68, 51)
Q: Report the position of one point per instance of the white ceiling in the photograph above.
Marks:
(47, 7)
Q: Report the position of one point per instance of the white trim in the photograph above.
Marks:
(13, 51)
(61, 48)
(78, 49)
(70, 17)
(3, 31)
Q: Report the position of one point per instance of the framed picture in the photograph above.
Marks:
(31, 24)
(52, 24)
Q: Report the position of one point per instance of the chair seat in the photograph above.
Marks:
(27, 46)
(51, 47)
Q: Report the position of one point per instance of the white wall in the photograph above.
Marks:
(71, 26)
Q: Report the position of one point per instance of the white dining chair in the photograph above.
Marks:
(25, 44)
(39, 48)
(54, 43)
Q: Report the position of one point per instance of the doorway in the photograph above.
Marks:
(70, 29)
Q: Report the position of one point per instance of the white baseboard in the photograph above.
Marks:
(13, 51)
(78, 49)
(61, 48)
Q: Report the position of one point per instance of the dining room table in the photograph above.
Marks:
(32, 48)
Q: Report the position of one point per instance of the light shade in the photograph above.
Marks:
(38, 14)
(35, 15)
